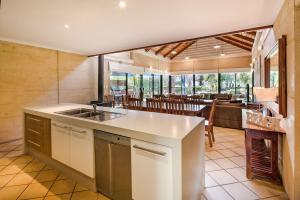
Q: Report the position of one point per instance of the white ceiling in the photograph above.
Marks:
(100, 26)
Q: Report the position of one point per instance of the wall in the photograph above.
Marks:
(297, 99)
(211, 64)
(156, 62)
(286, 24)
(37, 76)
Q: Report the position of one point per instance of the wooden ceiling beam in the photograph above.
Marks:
(253, 33)
(172, 49)
(244, 37)
(187, 46)
(161, 49)
(148, 49)
(238, 41)
(234, 43)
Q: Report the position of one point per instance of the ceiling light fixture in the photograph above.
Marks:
(217, 47)
(173, 52)
(122, 4)
(66, 26)
(253, 60)
(222, 54)
(187, 58)
(259, 48)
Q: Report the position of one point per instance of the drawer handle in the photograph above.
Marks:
(31, 142)
(34, 131)
(37, 120)
(78, 131)
(59, 126)
(150, 150)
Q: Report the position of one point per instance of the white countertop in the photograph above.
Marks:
(160, 128)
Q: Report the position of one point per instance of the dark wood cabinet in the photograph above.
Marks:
(38, 133)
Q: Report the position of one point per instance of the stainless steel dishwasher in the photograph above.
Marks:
(113, 165)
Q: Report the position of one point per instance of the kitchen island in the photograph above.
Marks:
(167, 151)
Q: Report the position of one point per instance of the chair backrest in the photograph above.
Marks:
(193, 105)
(110, 98)
(134, 103)
(174, 106)
(154, 105)
(212, 112)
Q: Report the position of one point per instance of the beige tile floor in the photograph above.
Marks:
(225, 173)
(23, 177)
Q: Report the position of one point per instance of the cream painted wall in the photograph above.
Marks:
(37, 76)
(211, 64)
(142, 60)
(287, 23)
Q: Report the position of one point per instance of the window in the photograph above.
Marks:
(274, 78)
(165, 84)
(118, 83)
(187, 81)
(147, 85)
(242, 79)
(134, 84)
(227, 83)
(206, 83)
(156, 84)
(176, 84)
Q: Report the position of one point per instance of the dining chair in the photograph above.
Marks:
(134, 103)
(209, 124)
(154, 105)
(174, 106)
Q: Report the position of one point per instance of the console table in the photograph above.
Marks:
(261, 151)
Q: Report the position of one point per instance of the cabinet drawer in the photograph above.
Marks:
(37, 133)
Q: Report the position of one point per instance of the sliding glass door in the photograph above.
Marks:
(117, 83)
(227, 83)
(206, 83)
(156, 80)
(147, 85)
(176, 84)
(134, 84)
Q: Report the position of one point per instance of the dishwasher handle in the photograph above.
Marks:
(150, 150)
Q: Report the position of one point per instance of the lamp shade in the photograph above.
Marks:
(265, 94)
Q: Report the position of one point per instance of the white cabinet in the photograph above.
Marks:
(74, 147)
(60, 141)
(82, 150)
(151, 171)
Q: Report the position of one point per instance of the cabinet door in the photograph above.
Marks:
(60, 136)
(151, 171)
(82, 151)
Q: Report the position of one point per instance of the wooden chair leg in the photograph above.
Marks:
(212, 134)
(209, 138)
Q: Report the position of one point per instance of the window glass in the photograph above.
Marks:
(176, 84)
(165, 84)
(118, 83)
(206, 83)
(228, 83)
(156, 84)
(134, 84)
(147, 85)
(274, 78)
(187, 84)
(242, 79)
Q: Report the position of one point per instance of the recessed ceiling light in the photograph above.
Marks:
(259, 48)
(222, 54)
(67, 26)
(173, 52)
(217, 47)
(253, 60)
(122, 4)
(187, 58)
(150, 67)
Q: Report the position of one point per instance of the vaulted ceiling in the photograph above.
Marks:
(232, 44)
(101, 26)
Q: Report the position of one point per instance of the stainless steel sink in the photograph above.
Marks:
(99, 115)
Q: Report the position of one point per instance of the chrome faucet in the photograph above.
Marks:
(94, 107)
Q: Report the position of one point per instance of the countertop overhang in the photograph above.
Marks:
(160, 128)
